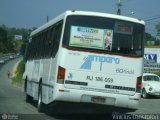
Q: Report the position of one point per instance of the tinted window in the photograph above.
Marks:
(151, 78)
(45, 44)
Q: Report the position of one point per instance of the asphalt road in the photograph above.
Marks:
(12, 98)
(13, 104)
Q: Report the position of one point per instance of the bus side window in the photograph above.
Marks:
(27, 51)
(58, 29)
(49, 42)
(46, 45)
(40, 45)
(33, 48)
(52, 36)
(36, 48)
(43, 42)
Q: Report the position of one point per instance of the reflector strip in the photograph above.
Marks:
(76, 83)
(120, 87)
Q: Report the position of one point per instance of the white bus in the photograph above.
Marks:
(86, 57)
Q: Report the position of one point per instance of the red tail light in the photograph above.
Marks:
(139, 84)
(60, 75)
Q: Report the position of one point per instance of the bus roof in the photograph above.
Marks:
(86, 13)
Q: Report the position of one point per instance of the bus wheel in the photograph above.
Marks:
(40, 105)
(29, 98)
(144, 93)
(25, 85)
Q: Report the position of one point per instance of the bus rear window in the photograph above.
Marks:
(104, 35)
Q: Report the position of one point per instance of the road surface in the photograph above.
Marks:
(12, 98)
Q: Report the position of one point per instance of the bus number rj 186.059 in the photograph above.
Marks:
(109, 80)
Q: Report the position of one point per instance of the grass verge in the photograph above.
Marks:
(153, 46)
(17, 79)
(157, 73)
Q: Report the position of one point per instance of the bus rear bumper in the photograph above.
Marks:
(117, 100)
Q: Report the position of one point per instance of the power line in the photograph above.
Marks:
(149, 23)
(153, 16)
(127, 1)
(152, 19)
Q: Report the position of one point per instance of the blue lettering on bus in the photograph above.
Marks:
(101, 59)
(87, 30)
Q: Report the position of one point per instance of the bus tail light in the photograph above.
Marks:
(139, 84)
(60, 75)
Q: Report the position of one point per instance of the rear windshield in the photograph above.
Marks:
(104, 35)
(151, 78)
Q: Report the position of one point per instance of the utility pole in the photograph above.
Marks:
(119, 4)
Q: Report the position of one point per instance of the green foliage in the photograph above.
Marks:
(158, 28)
(17, 80)
(157, 73)
(157, 42)
(7, 42)
(149, 38)
(3, 40)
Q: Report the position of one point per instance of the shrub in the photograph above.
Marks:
(19, 72)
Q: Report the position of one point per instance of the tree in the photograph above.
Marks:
(7, 39)
(149, 38)
(158, 27)
(3, 40)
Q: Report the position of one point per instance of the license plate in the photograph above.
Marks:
(98, 99)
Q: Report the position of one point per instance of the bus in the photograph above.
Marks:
(86, 57)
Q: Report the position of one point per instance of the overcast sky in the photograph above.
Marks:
(32, 13)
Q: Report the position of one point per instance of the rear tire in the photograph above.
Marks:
(144, 94)
(25, 85)
(29, 98)
(40, 105)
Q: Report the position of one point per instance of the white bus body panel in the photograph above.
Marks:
(117, 100)
(100, 76)
(45, 70)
